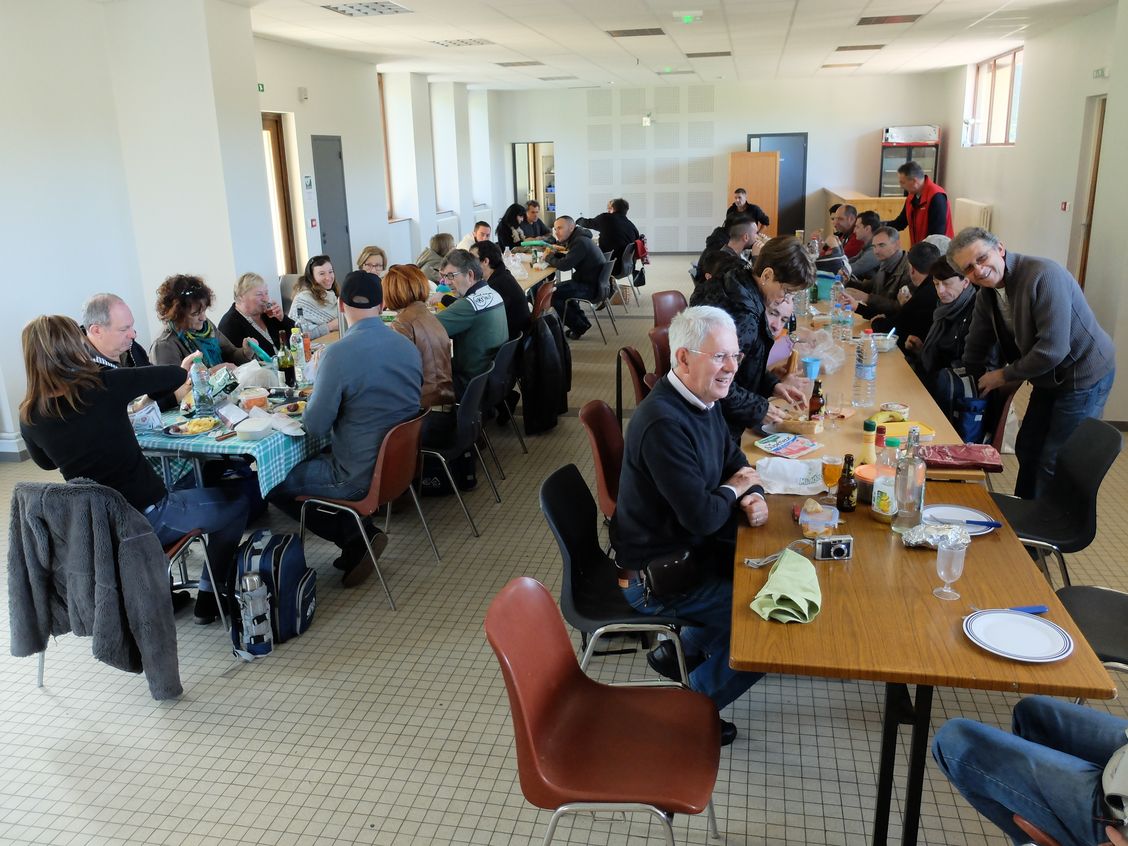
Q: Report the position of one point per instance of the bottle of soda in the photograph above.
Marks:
(286, 360)
(818, 401)
(297, 350)
(847, 486)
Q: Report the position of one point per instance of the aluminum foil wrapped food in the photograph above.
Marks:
(930, 535)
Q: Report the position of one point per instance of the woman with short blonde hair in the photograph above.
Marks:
(430, 261)
(406, 291)
(372, 260)
(254, 315)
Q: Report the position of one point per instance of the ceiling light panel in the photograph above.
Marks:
(364, 10)
(555, 78)
(517, 64)
(888, 19)
(850, 47)
(844, 65)
(635, 33)
(714, 55)
(462, 42)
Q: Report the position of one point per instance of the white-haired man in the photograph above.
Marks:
(684, 486)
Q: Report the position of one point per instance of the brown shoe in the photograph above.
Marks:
(365, 565)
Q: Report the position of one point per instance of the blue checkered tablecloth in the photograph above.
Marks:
(275, 455)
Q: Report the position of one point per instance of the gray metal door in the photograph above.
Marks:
(792, 149)
(332, 210)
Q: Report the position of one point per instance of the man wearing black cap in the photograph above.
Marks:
(367, 382)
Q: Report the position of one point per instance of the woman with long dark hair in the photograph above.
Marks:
(509, 232)
(315, 296)
(74, 418)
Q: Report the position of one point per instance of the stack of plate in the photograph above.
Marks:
(1018, 635)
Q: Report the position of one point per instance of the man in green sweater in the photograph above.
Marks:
(475, 320)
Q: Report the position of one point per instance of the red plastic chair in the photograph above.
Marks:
(543, 300)
(570, 757)
(397, 465)
(606, 440)
(631, 359)
(666, 305)
(660, 342)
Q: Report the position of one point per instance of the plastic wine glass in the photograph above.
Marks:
(831, 473)
(835, 402)
(949, 566)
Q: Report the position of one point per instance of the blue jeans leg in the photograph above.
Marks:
(315, 477)
(221, 513)
(1050, 419)
(574, 318)
(1048, 771)
(710, 605)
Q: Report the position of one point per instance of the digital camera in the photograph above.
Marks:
(834, 548)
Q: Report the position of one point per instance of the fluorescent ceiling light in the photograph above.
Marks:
(363, 10)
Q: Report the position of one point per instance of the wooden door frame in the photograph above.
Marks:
(272, 124)
(806, 148)
(1083, 262)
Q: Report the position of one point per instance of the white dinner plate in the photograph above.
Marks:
(954, 514)
(1018, 635)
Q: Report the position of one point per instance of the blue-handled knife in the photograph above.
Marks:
(991, 524)
(1030, 609)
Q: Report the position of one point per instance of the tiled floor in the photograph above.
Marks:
(393, 727)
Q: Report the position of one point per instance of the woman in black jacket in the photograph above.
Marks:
(509, 232)
(782, 267)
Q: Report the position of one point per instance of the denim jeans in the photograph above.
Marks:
(314, 477)
(574, 318)
(219, 512)
(1050, 419)
(710, 604)
(1048, 771)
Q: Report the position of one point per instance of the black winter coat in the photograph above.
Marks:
(747, 400)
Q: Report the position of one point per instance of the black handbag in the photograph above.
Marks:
(671, 574)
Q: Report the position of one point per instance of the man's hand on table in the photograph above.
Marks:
(856, 295)
(755, 509)
(991, 380)
(913, 343)
(788, 391)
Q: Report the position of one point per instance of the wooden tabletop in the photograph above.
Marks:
(896, 382)
(879, 619)
(535, 276)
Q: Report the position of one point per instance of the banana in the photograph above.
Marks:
(887, 417)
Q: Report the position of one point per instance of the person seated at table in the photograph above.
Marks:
(72, 403)
(917, 300)
(684, 487)
(878, 295)
(865, 264)
(843, 217)
(714, 266)
(616, 231)
(1060, 768)
(367, 382)
(314, 306)
(778, 315)
(783, 266)
(499, 278)
(509, 234)
(254, 316)
(480, 232)
(372, 260)
(405, 292)
(475, 320)
(182, 304)
(575, 251)
(533, 226)
(430, 261)
(719, 237)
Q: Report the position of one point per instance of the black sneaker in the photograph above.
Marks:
(728, 733)
(181, 599)
(573, 335)
(207, 611)
(359, 564)
(663, 659)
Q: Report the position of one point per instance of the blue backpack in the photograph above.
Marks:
(279, 560)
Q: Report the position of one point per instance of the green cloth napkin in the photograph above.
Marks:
(791, 594)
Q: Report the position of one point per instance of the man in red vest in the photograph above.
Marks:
(926, 210)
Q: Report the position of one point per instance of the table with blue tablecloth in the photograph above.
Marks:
(275, 455)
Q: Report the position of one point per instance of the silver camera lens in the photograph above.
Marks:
(839, 550)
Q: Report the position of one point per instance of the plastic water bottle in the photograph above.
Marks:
(297, 349)
(837, 320)
(865, 372)
(909, 485)
(201, 399)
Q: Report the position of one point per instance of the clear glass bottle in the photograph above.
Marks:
(201, 399)
(297, 350)
(909, 485)
(865, 372)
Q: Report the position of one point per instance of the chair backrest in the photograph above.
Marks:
(606, 440)
(397, 464)
(500, 375)
(286, 283)
(660, 341)
(526, 633)
(542, 300)
(1007, 393)
(627, 265)
(666, 305)
(469, 414)
(632, 358)
(1082, 463)
(608, 255)
(570, 513)
(605, 280)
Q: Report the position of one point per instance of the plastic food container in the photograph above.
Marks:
(865, 473)
(884, 342)
(819, 524)
(253, 429)
(899, 407)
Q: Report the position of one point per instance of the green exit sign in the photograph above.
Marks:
(261, 88)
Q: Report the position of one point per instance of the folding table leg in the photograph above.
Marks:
(901, 710)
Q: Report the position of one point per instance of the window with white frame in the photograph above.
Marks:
(993, 116)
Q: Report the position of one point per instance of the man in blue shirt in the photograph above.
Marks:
(367, 382)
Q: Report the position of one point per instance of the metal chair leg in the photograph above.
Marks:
(457, 493)
(517, 432)
(423, 520)
(486, 470)
(598, 322)
(611, 314)
(42, 662)
(714, 832)
(387, 517)
(489, 446)
(219, 598)
(372, 555)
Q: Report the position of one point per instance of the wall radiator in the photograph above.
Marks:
(970, 213)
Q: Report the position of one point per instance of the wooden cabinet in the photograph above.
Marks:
(887, 207)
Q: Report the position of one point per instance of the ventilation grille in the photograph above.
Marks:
(555, 78)
(635, 33)
(517, 64)
(844, 65)
(888, 19)
(676, 72)
(463, 42)
(714, 55)
(364, 10)
(848, 47)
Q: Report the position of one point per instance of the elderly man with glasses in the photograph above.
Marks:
(474, 320)
(684, 487)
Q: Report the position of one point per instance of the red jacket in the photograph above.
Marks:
(917, 214)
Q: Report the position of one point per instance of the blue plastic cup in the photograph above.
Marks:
(811, 367)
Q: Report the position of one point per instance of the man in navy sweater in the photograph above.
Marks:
(684, 486)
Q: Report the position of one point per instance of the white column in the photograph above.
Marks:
(411, 153)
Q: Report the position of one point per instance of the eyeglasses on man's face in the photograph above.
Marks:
(450, 277)
(720, 358)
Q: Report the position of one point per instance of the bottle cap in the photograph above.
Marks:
(892, 442)
(868, 332)
(869, 426)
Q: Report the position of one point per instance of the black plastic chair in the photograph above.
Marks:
(590, 596)
(501, 381)
(602, 299)
(1065, 519)
(467, 430)
(1102, 616)
(628, 275)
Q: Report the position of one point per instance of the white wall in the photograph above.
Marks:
(344, 100)
(675, 172)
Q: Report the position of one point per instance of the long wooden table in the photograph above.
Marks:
(880, 621)
(535, 277)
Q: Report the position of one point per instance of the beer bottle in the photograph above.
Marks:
(286, 359)
(817, 403)
(847, 486)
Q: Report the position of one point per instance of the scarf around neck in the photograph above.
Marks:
(206, 341)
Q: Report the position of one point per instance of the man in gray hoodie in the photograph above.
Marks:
(1048, 336)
